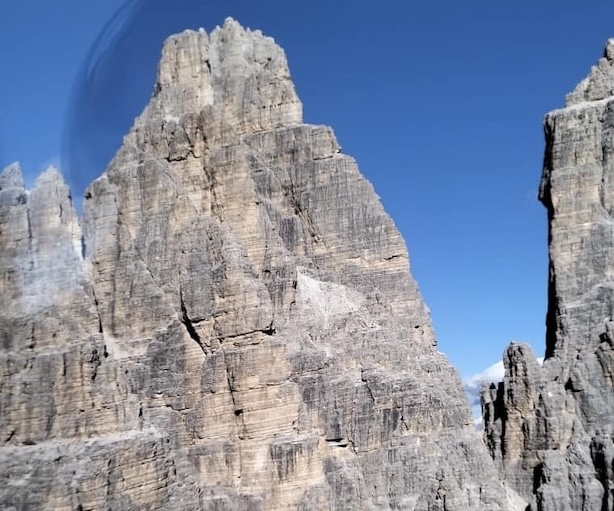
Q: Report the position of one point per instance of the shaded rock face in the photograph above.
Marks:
(235, 326)
(551, 430)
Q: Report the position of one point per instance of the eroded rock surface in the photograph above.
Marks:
(236, 328)
(551, 430)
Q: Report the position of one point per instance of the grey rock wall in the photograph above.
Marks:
(233, 327)
(551, 429)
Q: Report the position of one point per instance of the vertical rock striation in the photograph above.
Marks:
(236, 328)
(551, 430)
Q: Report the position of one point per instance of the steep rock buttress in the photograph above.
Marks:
(551, 429)
(236, 328)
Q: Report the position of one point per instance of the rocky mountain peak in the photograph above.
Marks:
(599, 84)
(11, 177)
(234, 75)
(232, 326)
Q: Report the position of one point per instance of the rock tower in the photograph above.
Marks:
(231, 326)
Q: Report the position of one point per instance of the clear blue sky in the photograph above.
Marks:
(441, 103)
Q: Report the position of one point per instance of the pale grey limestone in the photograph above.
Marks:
(234, 326)
(550, 430)
(599, 84)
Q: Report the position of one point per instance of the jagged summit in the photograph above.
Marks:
(232, 70)
(50, 176)
(242, 331)
(599, 84)
(11, 177)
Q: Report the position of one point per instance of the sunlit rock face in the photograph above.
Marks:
(233, 326)
(551, 431)
(115, 82)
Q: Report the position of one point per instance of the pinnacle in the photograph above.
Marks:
(51, 175)
(215, 71)
(11, 177)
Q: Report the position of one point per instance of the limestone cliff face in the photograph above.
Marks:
(236, 326)
(551, 430)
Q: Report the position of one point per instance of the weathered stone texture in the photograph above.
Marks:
(238, 328)
(551, 430)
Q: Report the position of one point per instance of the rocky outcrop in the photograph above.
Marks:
(235, 327)
(551, 430)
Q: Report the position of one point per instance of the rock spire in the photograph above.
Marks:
(551, 429)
